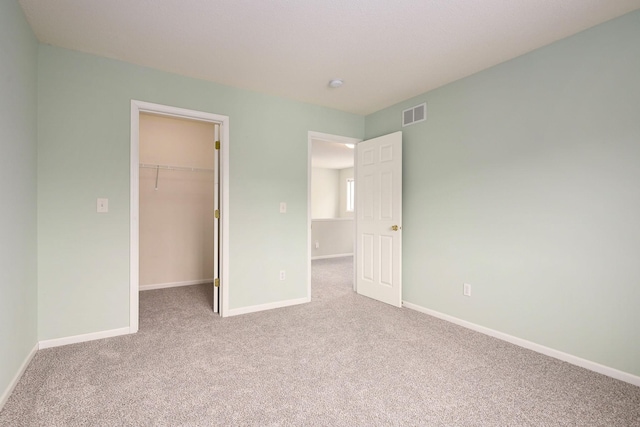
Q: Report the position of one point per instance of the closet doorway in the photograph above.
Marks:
(179, 196)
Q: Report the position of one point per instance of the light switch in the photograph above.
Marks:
(283, 207)
(103, 205)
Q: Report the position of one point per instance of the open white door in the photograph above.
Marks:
(379, 218)
(216, 221)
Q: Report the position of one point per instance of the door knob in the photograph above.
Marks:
(394, 227)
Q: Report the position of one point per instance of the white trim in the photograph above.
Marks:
(557, 354)
(325, 137)
(269, 306)
(355, 217)
(309, 169)
(134, 226)
(331, 256)
(16, 378)
(57, 342)
(331, 219)
(174, 284)
(136, 108)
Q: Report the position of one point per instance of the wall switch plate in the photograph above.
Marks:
(283, 207)
(102, 206)
(466, 290)
(283, 274)
(317, 244)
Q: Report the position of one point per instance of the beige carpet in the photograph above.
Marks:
(342, 360)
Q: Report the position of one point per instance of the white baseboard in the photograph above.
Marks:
(330, 256)
(557, 354)
(57, 342)
(262, 307)
(12, 385)
(173, 284)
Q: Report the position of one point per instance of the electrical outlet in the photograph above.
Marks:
(283, 207)
(283, 274)
(317, 245)
(466, 290)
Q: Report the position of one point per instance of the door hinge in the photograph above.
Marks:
(216, 283)
(217, 214)
(217, 145)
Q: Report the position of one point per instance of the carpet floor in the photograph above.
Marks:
(341, 360)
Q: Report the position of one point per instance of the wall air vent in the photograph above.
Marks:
(414, 114)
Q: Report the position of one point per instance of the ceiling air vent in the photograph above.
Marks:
(414, 114)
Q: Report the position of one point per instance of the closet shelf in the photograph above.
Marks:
(174, 168)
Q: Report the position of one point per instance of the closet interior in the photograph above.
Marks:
(178, 177)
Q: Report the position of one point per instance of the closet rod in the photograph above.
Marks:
(174, 168)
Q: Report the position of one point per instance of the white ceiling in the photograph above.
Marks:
(331, 155)
(386, 51)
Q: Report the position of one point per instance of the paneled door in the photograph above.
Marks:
(379, 218)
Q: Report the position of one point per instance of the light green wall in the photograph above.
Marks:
(84, 129)
(524, 182)
(18, 137)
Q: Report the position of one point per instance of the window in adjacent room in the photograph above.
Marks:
(350, 194)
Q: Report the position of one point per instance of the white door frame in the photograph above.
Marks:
(138, 107)
(326, 137)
